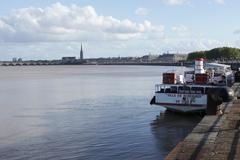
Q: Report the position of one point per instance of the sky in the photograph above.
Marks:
(49, 29)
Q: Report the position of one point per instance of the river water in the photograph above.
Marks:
(86, 112)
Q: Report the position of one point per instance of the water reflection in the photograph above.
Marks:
(170, 128)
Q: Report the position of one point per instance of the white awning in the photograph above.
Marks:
(217, 65)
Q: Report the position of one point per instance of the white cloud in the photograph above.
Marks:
(181, 2)
(175, 2)
(220, 1)
(68, 23)
(193, 43)
(181, 30)
(141, 11)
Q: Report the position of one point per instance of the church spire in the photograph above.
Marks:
(81, 53)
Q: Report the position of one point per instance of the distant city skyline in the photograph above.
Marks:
(54, 29)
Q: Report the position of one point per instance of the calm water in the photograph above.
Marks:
(85, 112)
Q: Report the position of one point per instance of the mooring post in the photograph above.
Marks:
(213, 101)
(237, 76)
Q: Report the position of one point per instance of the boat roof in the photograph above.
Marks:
(189, 85)
(217, 65)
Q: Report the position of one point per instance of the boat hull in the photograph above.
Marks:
(182, 102)
(181, 108)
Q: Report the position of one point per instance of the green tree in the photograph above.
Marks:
(223, 53)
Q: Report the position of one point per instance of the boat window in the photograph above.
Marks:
(180, 89)
(167, 90)
(197, 90)
(184, 89)
(173, 89)
(192, 91)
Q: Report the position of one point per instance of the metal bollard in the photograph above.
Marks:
(237, 76)
(213, 101)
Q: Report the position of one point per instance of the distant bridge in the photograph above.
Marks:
(234, 64)
(28, 63)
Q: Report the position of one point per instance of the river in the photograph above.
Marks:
(86, 112)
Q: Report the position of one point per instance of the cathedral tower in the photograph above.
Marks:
(81, 53)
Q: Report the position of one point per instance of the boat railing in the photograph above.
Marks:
(182, 89)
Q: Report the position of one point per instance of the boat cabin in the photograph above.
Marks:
(182, 89)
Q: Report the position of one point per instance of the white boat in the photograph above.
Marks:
(188, 92)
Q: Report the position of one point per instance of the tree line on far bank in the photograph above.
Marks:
(223, 53)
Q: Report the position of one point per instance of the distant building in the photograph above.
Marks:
(19, 60)
(149, 58)
(68, 59)
(81, 53)
(14, 59)
(172, 57)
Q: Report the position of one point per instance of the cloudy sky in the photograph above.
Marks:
(38, 29)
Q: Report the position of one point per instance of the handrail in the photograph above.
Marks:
(158, 87)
